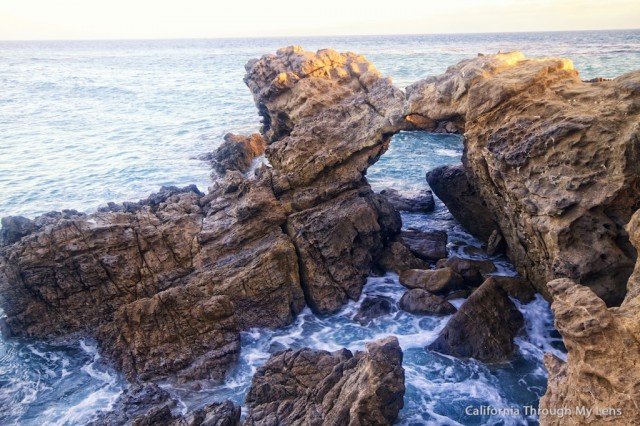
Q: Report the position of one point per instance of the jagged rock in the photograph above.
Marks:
(439, 281)
(427, 245)
(396, 257)
(14, 228)
(554, 159)
(314, 387)
(373, 307)
(603, 347)
(516, 287)
(472, 270)
(483, 328)
(452, 186)
(418, 301)
(150, 405)
(237, 152)
(176, 332)
(423, 202)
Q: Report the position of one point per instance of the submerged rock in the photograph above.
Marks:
(373, 307)
(314, 387)
(237, 153)
(603, 344)
(483, 328)
(418, 301)
(421, 203)
(554, 159)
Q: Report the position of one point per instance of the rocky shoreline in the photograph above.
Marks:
(167, 284)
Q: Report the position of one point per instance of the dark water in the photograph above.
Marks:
(83, 123)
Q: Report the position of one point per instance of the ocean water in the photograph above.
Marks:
(84, 123)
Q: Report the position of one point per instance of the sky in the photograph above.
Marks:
(152, 19)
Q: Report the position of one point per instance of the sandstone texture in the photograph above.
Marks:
(554, 159)
(312, 387)
(603, 357)
(483, 328)
(237, 153)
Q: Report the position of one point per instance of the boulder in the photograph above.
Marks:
(418, 301)
(439, 281)
(427, 245)
(453, 187)
(603, 344)
(373, 307)
(554, 159)
(237, 153)
(516, 287)
(483, 328)
(14, 228)
(420, 203)
(473, 271)
(396, 257)
(315, 387)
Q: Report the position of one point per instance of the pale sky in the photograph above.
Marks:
(131, 19)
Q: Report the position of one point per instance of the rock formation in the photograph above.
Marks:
(420, 203)
(483, 328)
(418, 301)
(321, 388)
(603, 344)
(555, 160)
(237, 153)
(373, 307)
(167, 283)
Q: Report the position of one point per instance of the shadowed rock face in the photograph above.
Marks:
(603, 347)
(321, 388)
(554, 158)
(166, 284)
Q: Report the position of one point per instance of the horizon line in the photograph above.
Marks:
(312, 36)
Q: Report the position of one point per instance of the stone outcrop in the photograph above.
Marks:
(555, 159)
(150, 405)
(420, 203)
(167, 283)
(603, 344)
(237, 153)
(418, 301)
(314, 387)
(483, 328)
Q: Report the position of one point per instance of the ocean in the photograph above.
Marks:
(87, 122)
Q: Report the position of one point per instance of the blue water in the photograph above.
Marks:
(83, 123)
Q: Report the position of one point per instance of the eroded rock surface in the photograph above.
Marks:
(603, 344)
(314, 387)
(237, 152)
(555, 160)
(418, 203)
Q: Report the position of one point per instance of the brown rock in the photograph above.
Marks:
(439, 281)
(483, 328)
(431, 245)
(237, 152)
(423, 202)
(516, 287)
(396, 257)
(534, 138)
(373, 307)
(472, 270)
(452, 186)
(14, 228)
(177, 332)
(317, 387)
(603, 347)
(418, 301)
(496, 243)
